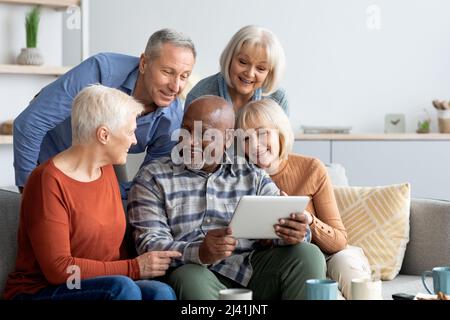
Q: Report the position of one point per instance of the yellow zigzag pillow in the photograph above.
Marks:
(377, 220)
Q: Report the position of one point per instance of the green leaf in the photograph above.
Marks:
(31, 26)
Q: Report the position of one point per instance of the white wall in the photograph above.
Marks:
(71, 37)
(339, 71)
(17, 90)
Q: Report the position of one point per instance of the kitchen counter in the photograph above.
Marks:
(382, 159)
(373, 137)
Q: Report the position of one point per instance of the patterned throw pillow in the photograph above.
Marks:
(377, 220)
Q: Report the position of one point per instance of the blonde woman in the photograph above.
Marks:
(251, 67)
(72, 221)
(269, 146)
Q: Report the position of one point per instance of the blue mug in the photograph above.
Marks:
(320, 289)
(441, 279)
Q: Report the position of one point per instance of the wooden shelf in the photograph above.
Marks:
(6, 139)
(39, 70)
(47, 3)
(374, 136)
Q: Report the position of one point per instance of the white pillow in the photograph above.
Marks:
(337, 174)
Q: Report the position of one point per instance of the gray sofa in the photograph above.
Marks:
(429, 244)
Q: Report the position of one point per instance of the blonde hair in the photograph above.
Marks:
(260, 38)
(267, 113)
(97, 105)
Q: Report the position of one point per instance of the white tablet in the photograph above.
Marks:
(255, 216)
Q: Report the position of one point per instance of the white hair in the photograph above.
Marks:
(261, 38)
(171, 36)
(96, 106)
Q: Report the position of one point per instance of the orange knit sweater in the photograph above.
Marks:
(303, 176)
(64, 222)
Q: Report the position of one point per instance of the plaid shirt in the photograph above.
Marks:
(172, 208)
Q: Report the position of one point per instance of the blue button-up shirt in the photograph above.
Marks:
(43, 129)
(172, 208)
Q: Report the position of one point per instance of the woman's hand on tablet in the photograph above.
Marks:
(294, 229)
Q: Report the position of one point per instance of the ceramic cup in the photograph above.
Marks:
(366, 289)
(320, 289)
(444, 121)
(235, 294)
(441, 280)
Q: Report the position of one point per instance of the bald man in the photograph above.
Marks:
(186, 202)
(206, 131)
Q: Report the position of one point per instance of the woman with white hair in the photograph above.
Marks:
(268, 141)
(72, 221)
(251, 67)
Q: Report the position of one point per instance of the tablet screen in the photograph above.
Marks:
(255, 216)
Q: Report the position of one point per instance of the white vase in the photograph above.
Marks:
(30, 56)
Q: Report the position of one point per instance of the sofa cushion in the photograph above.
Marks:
(377, 220)
(9, 219)
(429, 244)
(402, 284)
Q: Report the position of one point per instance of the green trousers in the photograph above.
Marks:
(278, 273)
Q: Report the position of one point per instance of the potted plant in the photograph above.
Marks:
(423, 125)
(31, 55)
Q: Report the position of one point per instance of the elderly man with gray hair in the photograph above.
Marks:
(155, 79)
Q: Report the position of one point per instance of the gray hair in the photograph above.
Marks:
(256, 36)
(97, 105)
(171, 36)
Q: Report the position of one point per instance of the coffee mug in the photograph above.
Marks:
(366, 289)
(320, 289)
(235, 294)
(441, 279)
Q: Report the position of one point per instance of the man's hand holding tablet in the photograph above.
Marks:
(217, 245)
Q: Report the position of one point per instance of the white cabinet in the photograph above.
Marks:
(424, 164)
(316, 149)
(421, 160)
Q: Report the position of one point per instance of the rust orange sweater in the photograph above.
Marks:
(64, 222)
(304, 176)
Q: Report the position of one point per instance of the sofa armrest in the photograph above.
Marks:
(429, 243)
(9, 220)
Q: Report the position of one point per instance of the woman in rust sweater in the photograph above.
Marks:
(72, 221)
(268, 144)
